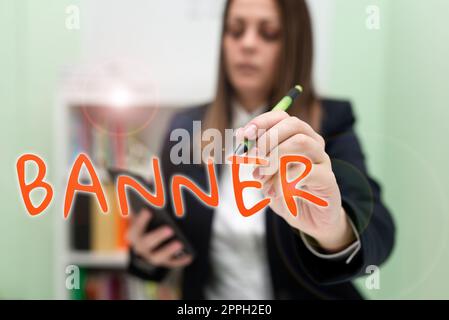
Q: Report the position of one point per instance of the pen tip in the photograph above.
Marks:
(299, 88)
(241, 149)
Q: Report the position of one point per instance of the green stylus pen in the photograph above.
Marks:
(283, 105)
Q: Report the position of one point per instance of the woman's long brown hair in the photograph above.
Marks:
(295, 67)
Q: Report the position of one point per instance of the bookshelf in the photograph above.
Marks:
(118, 122)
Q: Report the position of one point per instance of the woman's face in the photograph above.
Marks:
(252, 45)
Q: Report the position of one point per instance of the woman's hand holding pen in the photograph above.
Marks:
(279, 134)
(146, 245)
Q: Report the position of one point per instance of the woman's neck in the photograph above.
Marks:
(250, 102)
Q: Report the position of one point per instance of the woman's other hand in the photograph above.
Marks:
(146, 245)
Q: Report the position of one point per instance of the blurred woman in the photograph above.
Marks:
(266, 48)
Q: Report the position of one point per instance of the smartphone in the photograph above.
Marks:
(160, 217)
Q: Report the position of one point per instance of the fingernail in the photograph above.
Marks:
(237, 132)
(168, 231)
(251, 132)
(178, 245)
(256, 173)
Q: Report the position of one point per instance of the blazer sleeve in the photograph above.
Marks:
(137, 266)
(361, 199)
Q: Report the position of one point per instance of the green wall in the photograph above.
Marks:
(35, 45)
(396, 78)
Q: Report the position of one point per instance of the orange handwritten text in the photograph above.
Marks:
(289, 189)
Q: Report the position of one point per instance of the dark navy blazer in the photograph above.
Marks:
(296, 273)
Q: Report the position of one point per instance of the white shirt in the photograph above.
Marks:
(238, 250)
(238, 254)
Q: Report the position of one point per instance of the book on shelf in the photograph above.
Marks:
(92, 231)
(104, 229)
(106, 145)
